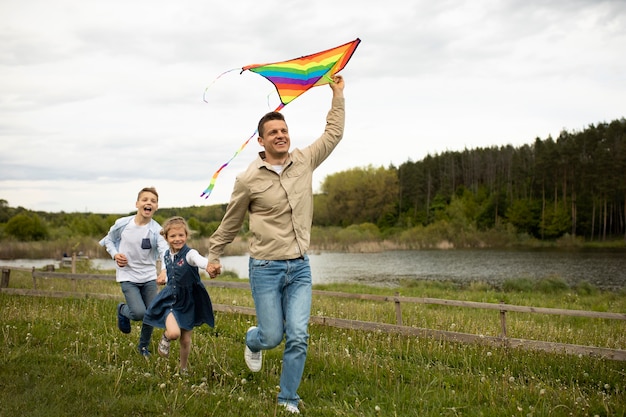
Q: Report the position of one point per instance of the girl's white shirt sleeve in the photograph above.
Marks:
(195, 259)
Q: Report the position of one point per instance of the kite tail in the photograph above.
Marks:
(213, 82)
(207, 192)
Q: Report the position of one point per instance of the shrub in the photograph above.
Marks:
(518, 285)
(551, 285)
(26, 227)
(585, 288)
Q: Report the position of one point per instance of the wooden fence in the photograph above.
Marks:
(502, 308)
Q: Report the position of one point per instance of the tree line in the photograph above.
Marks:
(573, 185)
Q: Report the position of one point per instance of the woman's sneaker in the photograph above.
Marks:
(164, 346)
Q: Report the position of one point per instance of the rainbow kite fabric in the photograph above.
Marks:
(294, 77)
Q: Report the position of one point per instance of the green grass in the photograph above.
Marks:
(65, 357)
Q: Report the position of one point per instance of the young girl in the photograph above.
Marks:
(184, 303)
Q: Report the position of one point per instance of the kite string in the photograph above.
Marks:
(214, 81)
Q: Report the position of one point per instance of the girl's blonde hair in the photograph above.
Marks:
(175, 221)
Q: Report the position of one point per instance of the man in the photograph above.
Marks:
(276, 190)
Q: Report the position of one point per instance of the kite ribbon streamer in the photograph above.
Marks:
(293, 78)
(207, 192)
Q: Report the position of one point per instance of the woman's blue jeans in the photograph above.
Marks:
(282, 298)
(138, 299)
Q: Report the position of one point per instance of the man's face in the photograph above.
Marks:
(275, 139)
(147, 204)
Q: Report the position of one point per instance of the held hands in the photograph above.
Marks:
(214, 270)
(162, 278)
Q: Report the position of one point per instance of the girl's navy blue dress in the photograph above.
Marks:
(184, 295)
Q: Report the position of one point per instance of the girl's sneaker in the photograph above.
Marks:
(164, 346)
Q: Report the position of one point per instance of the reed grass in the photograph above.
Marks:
(62, 357)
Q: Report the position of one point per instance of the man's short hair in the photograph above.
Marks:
(273, 115)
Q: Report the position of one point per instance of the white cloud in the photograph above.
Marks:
(100, 99)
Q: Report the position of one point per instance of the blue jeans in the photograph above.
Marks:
(282, 297)
(138, 299)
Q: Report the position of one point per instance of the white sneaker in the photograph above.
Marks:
(291, 408)
(254, 360)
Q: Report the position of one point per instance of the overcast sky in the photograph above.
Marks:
(101, 98)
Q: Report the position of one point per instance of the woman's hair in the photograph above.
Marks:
(175, 221)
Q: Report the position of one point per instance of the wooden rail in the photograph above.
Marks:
(67, 275)
(502, 308)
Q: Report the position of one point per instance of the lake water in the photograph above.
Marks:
(603, 268)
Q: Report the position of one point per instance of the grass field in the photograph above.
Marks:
(65, 357)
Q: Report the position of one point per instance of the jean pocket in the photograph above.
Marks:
(145, 243)
(260, 263)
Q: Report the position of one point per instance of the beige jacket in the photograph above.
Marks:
(280, 206)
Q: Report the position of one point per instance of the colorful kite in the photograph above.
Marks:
(292, 78)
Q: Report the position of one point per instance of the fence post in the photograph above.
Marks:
(34, 279)
(6, 273)
(503, 321)
(398, 309)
